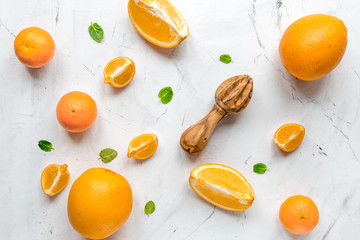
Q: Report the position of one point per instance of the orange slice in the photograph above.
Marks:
(222, 186)
(143, 146)
(54, 179)
(158, 21)
(289, 136)
(119, 72)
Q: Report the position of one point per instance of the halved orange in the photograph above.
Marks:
(158, 21)
(222, 186)
(54, 179)
(289, 136)
(119, 72)
(143, 146)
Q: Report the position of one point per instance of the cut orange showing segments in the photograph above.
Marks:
(222, 186)
(119, 72)
(289, 136)
(54, 179)
(158, 21)
(143, 146)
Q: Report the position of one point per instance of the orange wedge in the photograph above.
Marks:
(143, 146)
(289, 136)
(222, 186)
(119, 72)
(158, 21)
(54, 179)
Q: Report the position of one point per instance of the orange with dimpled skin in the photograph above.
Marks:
(313, 46)
(299, 214)
(34, 47)
(99, 203)
(76, 111)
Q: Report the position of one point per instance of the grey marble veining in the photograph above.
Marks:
(325, 167)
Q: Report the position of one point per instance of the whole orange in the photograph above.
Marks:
(99, 203)
(76, 111)
(34, 47)
(313, 46)
(299, 214)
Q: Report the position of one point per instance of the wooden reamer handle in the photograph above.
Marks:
(195, 138)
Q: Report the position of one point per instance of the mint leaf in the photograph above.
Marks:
(107, 155)
(166, 95)
(96, 32)
(225, 58)
(149, 207)
(259, 168)
(45, 145)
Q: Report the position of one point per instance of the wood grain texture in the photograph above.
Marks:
(232, 96)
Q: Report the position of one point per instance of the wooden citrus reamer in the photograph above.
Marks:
(232, 96)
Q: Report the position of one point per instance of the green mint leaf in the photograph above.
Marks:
(259, 168)
(225, 58)
(166, 95)
(96, 32)
(45, 145)
(149, 207)
(107, 155)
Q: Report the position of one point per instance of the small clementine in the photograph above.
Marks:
(34, 47)
(299, 214)
(76, 111)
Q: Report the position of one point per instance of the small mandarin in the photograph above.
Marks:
(76, 111)
(299, 214)
(313, 46)
(34, 47)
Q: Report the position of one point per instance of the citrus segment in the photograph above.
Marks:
(158, 21)
(222, 186)
(119, 72)
(143, 146)
(289, 136)
(54, 179)
(299, 214)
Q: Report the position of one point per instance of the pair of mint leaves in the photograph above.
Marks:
(106, 155)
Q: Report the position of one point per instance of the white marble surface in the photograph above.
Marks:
(325, 167)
